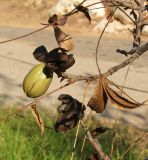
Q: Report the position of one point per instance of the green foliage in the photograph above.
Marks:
(21, 140)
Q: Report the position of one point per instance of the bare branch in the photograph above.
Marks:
(95, 143)
(136, 54)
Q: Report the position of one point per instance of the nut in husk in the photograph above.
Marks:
(37, 81)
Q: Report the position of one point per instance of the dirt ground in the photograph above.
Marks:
(16, 60)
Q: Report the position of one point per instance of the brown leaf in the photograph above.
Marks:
(64, 40)
(85, 11)
(100, 130)
(38, 118)
(61, 21)
(99, 99)
(118, 100)
(108, 11)
(56, 20)
(53, 19)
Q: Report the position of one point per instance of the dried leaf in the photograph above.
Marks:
(40, 54)
(103, 92)
(56, 20)
(99, 130)
(61, 21)
(38, 118)
(70, 112)
(118, 100)
(53, 19)
(85, 11)
(99, 99)
(64, 40)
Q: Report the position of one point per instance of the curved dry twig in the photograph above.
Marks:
(78, 128)
(98, 43)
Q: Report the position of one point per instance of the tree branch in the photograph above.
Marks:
(126, 3)
(95, 143)
(137, 52)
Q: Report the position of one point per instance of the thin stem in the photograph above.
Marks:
(117, 115)
(78, 128)
(95, 8)
(38, 30)
(84, 140)
(126, 14)
(98, 43)
(137, 140)
(95, 3)
(26, 35)
(75, 141)
(17, 60)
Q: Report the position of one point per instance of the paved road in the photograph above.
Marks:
(13, 67)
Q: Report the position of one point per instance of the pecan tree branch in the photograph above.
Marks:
(136, 54)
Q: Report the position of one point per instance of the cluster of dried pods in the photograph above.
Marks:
(58, 60)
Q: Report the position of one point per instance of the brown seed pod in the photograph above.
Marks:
(64, 40)
(99, 99)
(119, 100)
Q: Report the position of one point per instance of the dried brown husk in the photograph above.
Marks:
(38, 118)
(64, 40)
(99, 99)
(119, 100)
(57, 20)
(70, 112)
(40, 53)
(85, 11)
(101, 94)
